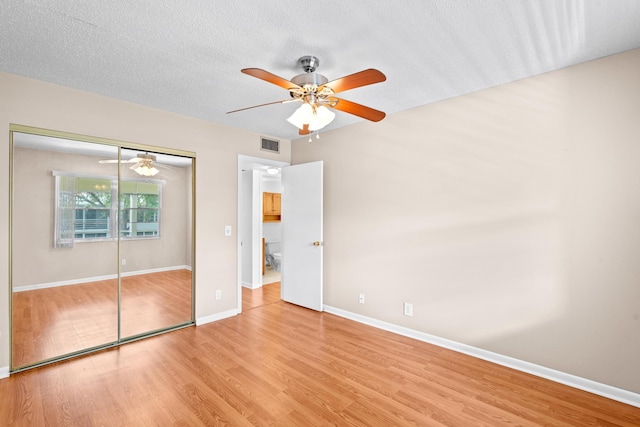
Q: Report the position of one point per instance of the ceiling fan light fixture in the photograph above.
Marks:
(316, 118)
(316, 93)
(146, 170)
(303, 115)
(323, 116)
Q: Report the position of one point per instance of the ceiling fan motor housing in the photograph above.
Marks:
(314, 79)
(309, 82)
(310, 77)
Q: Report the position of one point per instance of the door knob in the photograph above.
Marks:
(317, 243)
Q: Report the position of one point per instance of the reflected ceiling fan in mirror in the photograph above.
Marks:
(317, 95)
(143, 164)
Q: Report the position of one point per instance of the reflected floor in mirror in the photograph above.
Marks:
(54, 321)
(154, 301)
(60, 320)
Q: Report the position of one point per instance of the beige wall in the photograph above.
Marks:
(509, 218)
(34, 103)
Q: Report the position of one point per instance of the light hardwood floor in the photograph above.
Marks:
(267, 294)
(280, 364)
(55, 321)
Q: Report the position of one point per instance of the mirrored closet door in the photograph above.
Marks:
(155, 241)
(101, 244)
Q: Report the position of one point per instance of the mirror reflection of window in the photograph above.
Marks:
(84, 209)
(92, 208)
(140, 209)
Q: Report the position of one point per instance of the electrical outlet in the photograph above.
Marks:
(218, 294)
(361, 298)
(408, 309)
(124, 261)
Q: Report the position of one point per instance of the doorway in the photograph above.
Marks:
(302, 230)
(255, 237)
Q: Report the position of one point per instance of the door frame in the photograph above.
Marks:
(244, 163)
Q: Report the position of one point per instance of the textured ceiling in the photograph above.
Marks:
(186, 56)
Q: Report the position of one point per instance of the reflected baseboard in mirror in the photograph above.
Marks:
(75, 317)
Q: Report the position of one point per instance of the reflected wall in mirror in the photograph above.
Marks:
(99, 252)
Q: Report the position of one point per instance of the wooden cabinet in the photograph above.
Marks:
(271, 207)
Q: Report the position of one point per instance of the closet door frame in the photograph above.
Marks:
(16, 128)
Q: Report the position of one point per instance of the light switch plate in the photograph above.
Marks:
(227, 230)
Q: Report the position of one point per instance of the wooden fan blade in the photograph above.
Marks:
(262, 105)
(271, 78)
(363, 78)
(358, 110)
(305, 130)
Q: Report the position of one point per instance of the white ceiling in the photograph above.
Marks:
(186, 56)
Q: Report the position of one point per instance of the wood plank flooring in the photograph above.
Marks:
(55, 321)
(280, 364)
(267, 294)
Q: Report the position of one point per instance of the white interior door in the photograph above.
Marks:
(301, 281)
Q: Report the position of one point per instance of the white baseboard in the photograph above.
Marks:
(215, 317)
(594, 387)
(97, 278)
(4, 372)
(251, 286)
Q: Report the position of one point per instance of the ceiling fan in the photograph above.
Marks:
(143, 164)
(317, 94)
